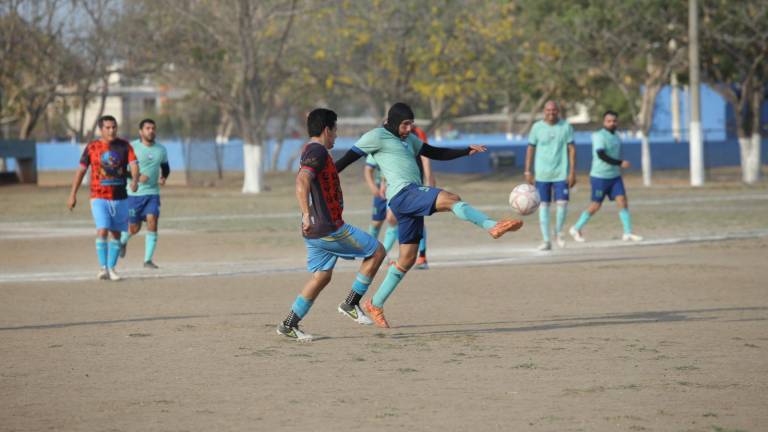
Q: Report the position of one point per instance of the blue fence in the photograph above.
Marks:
(207, 156)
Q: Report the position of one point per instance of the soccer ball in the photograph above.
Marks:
(524, 199)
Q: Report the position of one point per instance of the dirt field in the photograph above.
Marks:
(667, 335)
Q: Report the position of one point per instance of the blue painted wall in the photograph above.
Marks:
(665, 154)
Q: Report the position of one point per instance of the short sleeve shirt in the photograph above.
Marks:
(326, 201)
(150, 158)
(605, 140)
(396, 157)
(109, 167)
(551, 142)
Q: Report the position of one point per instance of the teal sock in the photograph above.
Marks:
(374, 231)
(101, 251)
(544, 221)
(583, 219)
(390, 235)
(466, 212)
(301, 306)
(423, 243)
(626, 220)
(361, 284)
(394, 276)
(124, 237)
(562, 212)
(114, 253)
(150, 241)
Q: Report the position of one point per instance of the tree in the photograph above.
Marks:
(233, 53)
(734, 54)
(34, 63)
(631, 50)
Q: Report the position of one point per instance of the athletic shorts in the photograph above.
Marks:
(110, 214)
(409, 206)
(379, 209)
(545, 190)
(601, 188)
(140, 206)
(346, 242)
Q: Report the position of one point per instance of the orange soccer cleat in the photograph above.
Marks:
(376, 314)
(504, 226)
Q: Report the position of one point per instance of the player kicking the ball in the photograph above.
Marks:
(326, 236)
(605, 177)
(394, 147)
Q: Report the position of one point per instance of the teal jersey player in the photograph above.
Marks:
(605, 179)
(551, 142)
(145, 201)
(150, 160)
(396, 157)
(552, 154)
(395, 147)
(610, 143)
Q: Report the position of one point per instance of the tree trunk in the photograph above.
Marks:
(253, 155)
(645, 158)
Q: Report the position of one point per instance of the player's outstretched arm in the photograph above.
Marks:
(79, 175)
(441, 153)
(348, 158)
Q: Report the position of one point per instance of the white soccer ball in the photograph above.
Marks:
(524, 199)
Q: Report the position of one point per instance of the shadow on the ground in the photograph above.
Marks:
(648, 317)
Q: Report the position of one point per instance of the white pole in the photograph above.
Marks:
(695, 135)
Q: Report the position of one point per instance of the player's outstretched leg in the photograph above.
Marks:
(447, 201)
(351, 305)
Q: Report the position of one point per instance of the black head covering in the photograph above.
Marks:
(396, 115)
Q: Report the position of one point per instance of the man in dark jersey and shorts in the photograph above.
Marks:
(326, 236)
(108, 157)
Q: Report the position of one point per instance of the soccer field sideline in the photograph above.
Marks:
(471, 256)
(19, 228)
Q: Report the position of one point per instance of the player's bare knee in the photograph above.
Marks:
(133, 229)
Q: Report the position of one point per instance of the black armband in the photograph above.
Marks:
(607, 159)
(441, 153)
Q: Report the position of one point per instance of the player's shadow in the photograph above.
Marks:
(633, 318)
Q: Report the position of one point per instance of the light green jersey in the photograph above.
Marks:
(551, 142)
(605, 140)
(371, 162)
(396, 157)
(150, 158)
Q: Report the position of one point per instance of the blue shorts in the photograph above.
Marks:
(545, 190)
(409, 206)
(379, 209)
(139, 206)
(611, 187)
(110, 214)
(346, 242)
